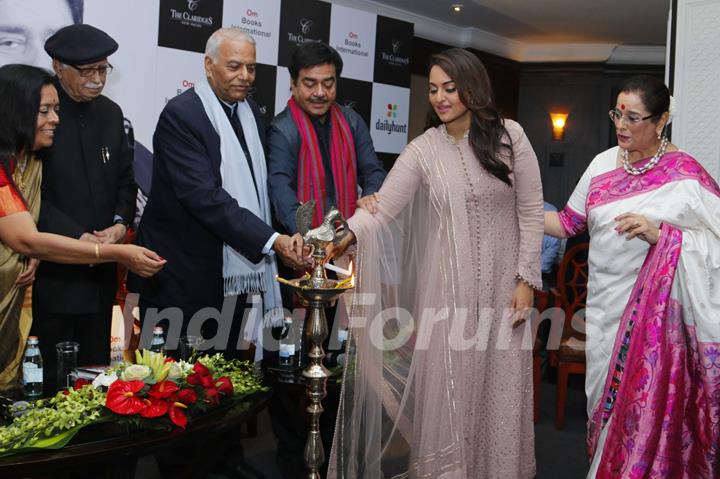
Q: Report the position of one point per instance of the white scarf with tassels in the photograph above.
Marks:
(240, 276)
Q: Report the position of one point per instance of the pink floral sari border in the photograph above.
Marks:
(662, 387)
(617, 184)
(572, 221)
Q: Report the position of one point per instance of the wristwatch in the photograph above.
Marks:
(118, 220)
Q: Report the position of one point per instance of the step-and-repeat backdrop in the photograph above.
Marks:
(162, 44)
(161, 56)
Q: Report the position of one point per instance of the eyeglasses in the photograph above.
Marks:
(87, 72)
(616, 116)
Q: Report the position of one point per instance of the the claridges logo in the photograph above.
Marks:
(394, 58)
(305, 28)
(396, 46)
(190, 20)
(305, 25)
(349, 104)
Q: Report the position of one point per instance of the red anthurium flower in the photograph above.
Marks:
(80, 382)
(198, 377)
(153, 407)
(224, 385)
(163, 389)
(169, 359)
(207, 382)
(193, 379)
(187, 396)
(211, 396)
(122, 399)
(177, 413)
(200, 369)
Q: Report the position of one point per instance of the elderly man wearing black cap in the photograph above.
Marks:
(88, 192)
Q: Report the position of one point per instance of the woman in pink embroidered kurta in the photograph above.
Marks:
(439, 383)
(653, 351)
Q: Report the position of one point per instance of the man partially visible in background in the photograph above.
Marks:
(25, 25)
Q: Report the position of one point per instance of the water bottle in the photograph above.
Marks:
(32, 369)
(342, 337)
(157, 345)
(287, 344)
(333, 357)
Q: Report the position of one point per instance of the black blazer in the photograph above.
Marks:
(87, 180)
(189, 215)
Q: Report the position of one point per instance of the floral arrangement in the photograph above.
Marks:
(154, 392)
(51, 423)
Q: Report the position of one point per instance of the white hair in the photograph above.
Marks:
(225, 34)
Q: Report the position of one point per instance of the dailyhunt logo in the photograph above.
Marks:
(389, 125)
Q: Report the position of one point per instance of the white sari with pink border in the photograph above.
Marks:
(652, 319)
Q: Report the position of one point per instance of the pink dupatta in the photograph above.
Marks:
(662, 390)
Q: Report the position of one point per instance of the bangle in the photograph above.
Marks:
(97, 251)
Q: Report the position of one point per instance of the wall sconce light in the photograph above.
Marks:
(558, 125)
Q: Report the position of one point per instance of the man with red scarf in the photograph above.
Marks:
(319, 150)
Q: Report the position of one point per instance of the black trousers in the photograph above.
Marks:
(209, 329)
(91, 331)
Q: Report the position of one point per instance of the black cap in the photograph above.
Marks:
(80, 44)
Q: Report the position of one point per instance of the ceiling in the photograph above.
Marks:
(540, 30)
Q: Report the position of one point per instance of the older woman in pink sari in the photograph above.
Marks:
(653, 351)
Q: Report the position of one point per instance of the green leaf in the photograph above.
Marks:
(55, 442)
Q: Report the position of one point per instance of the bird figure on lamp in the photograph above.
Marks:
(332, 230)
(328, 231)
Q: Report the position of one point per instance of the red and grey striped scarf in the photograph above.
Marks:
(311, 172)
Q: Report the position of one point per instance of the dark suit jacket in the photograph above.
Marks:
(284, 144)
(87, 180)
(189, 215)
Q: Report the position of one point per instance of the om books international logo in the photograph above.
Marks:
(250, 23)
(352, 45)
(184, 85)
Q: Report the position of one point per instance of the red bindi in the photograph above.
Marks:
(622, 107)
